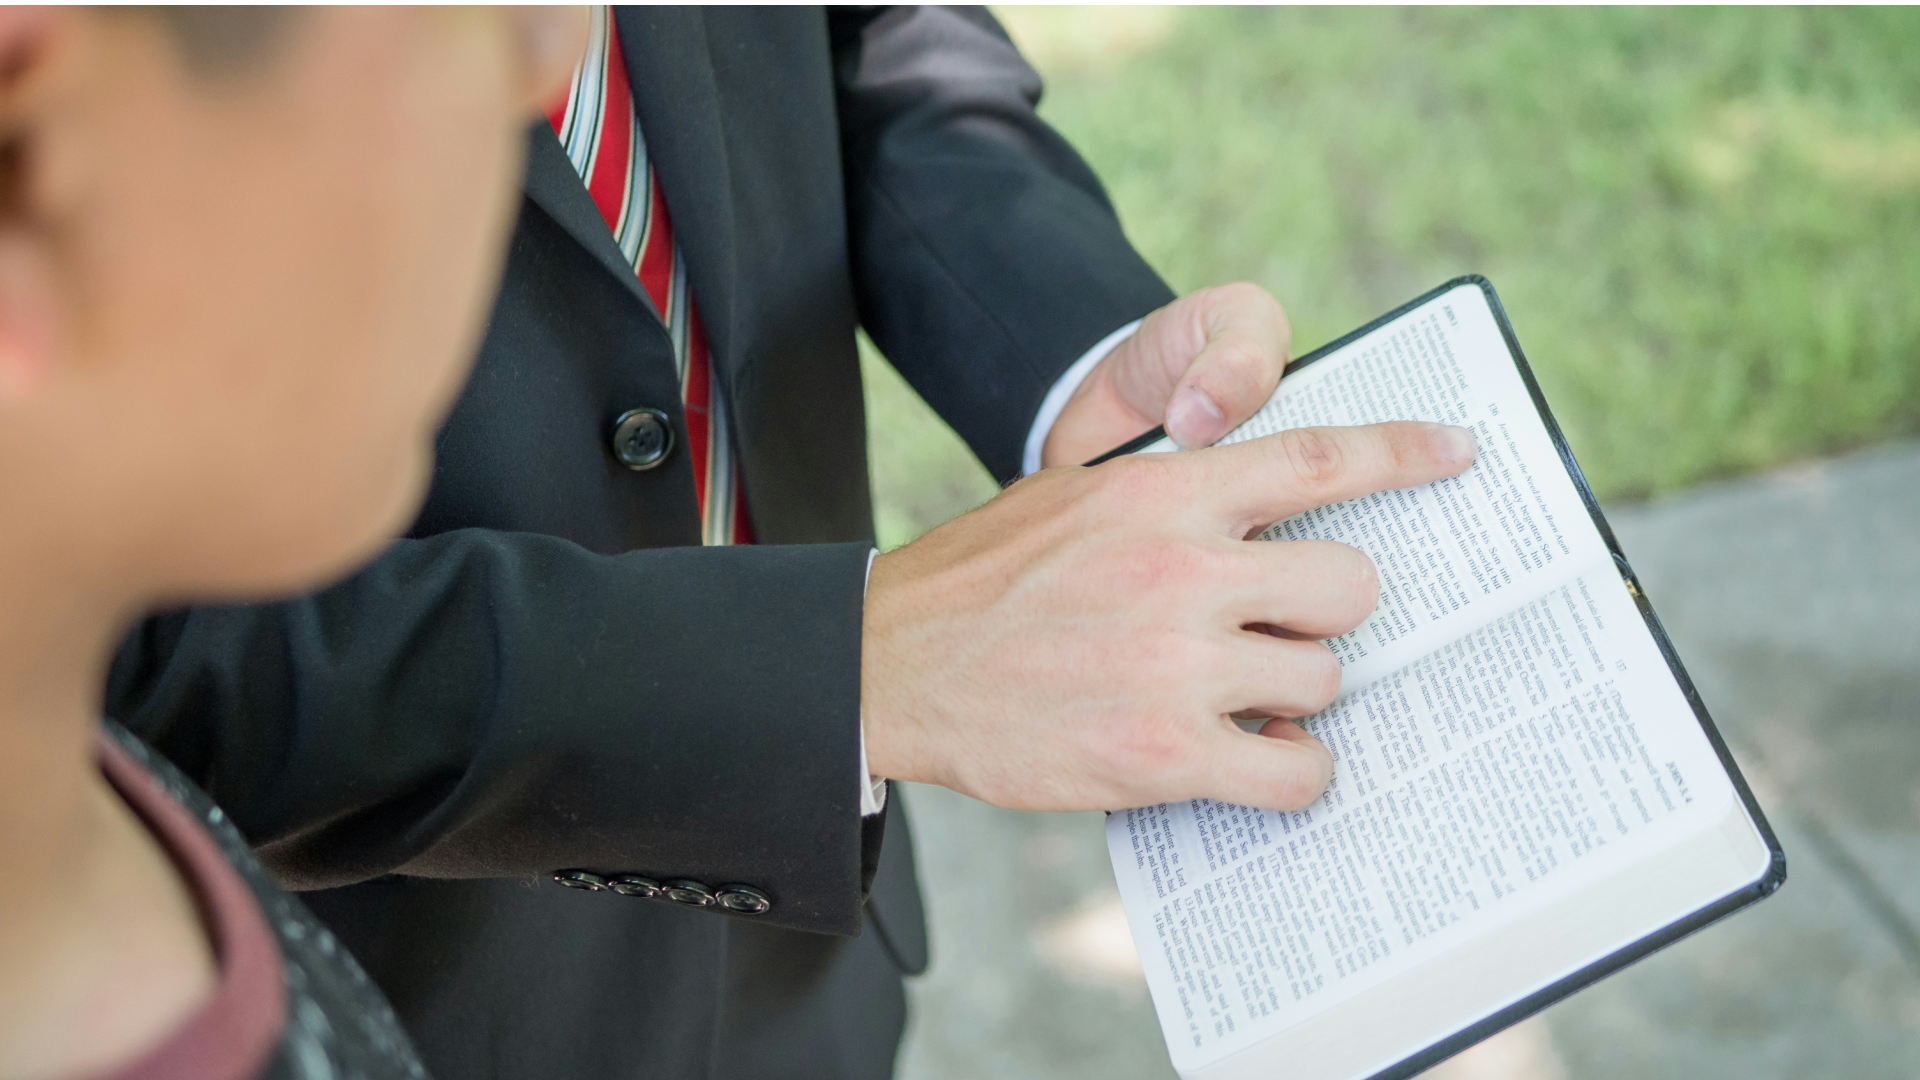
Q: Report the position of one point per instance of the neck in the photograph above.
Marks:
(101, 949)
(53, 650)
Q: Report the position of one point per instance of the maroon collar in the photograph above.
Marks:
(231, 1035)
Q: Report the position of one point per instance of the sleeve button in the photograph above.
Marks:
(580, 879)
(744, 900)
(690, 893)
(635, 885)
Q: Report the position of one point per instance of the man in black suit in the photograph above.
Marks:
(549, 683)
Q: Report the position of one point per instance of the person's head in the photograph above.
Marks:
(244, 260)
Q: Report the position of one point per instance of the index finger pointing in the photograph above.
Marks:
(1263, 480)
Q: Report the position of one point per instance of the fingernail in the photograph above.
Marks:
(1456, 444)
(1194, 420)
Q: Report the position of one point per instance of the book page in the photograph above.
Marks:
(1455, 554)
(1525, 760)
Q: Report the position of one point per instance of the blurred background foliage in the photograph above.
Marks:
(1703, 222)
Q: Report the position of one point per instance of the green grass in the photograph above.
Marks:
(1705, 223)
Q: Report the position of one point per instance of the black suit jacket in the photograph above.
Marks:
(547, 673)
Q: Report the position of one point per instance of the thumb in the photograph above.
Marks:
(1245, 349)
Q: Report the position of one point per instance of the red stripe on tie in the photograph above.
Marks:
(656, 255)
(608, 179)
(698, 390)
(742, 524)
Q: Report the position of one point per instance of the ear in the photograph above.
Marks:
(30, 319)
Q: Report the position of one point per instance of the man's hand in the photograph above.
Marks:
(1201, 366)
(1085, 640)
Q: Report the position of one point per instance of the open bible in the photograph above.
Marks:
(1527, 793)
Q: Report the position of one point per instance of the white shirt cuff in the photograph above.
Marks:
(1063, 389)
(873, 789)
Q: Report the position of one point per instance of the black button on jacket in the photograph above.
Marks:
(548, 673)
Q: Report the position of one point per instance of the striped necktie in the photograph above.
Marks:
(601, 134)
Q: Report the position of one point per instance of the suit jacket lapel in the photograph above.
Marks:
(678, 102)
(556, 188)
